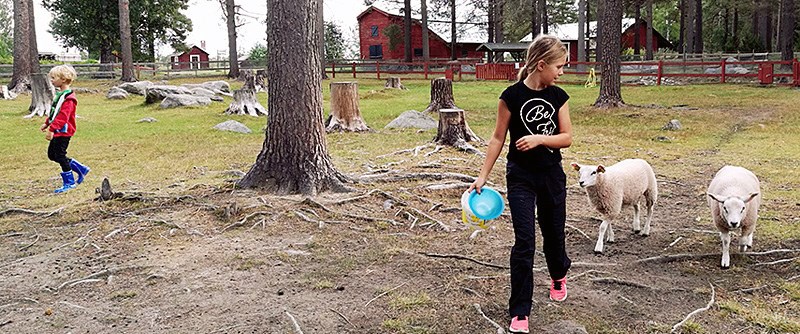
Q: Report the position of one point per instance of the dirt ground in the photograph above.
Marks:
(212, 259)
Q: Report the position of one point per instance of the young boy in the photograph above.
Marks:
(60, 127)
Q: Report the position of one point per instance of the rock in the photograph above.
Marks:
(673, 125)
(233, 126)
(565, 327)
(664, 139)
(138, 88)
(82, 90)
(157, 93)
(219, 85)
(116, 93)
(147, 120)
(413, 119)
(183, 100)
(200, 91)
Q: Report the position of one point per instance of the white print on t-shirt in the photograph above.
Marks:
(538, 112)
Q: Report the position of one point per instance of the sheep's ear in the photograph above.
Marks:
(575, 166)
(716, 198)
(601, 169)
(749, 198)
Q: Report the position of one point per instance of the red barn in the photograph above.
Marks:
(193, 59)
(374, 42)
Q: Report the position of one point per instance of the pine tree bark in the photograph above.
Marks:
(453, 55)
(454, 131)
(321, 36)
(441, 95)
(609, 46)
(536, 24)
(426, 49)
(637, 16)
(345, 114)
(294, 157)
(788, 25)
(648, 52)
(125, 41)
(407, 52)
(21, 78)
(682, 28)
(394, 82)
(42, 94)
(581, 33)
(233, 56)
(499, 32)
(698, 26)
(689, 32)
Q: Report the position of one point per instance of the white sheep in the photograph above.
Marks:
(625, 183)
(734, 196)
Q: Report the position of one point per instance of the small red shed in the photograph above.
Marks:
(194, 58)
(374, 42)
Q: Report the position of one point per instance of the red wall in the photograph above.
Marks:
(185, 59)
(438, 48)
(630, 36)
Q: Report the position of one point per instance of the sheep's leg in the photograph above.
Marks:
(745, 242)
(610, 233)
(726, 255)
(598, 247)
(636, 223)
(646, 229)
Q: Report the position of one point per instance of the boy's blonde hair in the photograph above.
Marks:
(544, 47)
(63, 72)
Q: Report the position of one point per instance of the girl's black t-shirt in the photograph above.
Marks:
(533, 112)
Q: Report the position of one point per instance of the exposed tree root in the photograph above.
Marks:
(500, 329)
(612, 280)
(294, 322)
(416, 177)
(384, 293)
(44, 214)
(703, 309)
(463, 257)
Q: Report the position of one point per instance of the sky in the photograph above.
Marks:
(208, 25)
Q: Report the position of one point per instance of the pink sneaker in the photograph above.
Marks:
(558, 290)
(519, 324)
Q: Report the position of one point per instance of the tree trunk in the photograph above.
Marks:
(637, 16)
(321, 36)
(725, 24)
(260, 81)
(21, 78)
(735, 28)
(598, 50)
(407, 52)
(345, 114)
(499, 32)
(441, 95)
(787, 28)
(42, 94)
(690, 17)
(543, 15)
(245, 102)
(682, 29)
(581, 34)
(5, 94)
(648, 52)
(294, 157)
(609, 43)
(453, 55)
(490, 7)
(698, 26)
(454, 131)
(394, 82)
(125, 41)
(33, 46)
(426, 49)
(535, 23)
(233, 57)
(588, 31)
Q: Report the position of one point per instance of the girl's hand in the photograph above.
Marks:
(477, 185)
(44, 127)
(529, 142)
(48, 135)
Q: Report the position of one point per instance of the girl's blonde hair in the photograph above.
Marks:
(63, 72)
(544, 47)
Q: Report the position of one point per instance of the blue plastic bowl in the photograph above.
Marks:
(487, 205)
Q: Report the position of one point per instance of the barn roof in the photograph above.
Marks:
(466, 33)
(569, 32)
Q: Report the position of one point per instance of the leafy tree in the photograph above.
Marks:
(153, 22)
(258, 54)
(6, 32)
(395, 34)
(334, 41)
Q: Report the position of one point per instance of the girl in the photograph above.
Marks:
(536, 114)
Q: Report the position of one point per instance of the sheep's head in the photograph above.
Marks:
(588, 174)
(733, 208)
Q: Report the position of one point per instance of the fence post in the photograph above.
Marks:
(460, 69)
(333, 69)
(354, 69)
(378, 68)
(722, 71)
(426, 70)
(796, 72)
(660, 72)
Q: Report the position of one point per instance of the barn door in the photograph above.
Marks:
(194, 61)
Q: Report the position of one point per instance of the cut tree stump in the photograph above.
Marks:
(6, 94)
(345, 114)
(454, 131)
(394, 82)
(441, 95)
(245, 101)
(42, 94)
(260, 81)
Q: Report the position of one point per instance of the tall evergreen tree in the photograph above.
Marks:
(609, 44)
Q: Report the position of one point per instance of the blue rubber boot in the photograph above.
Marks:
(79, 169)
(69, 182)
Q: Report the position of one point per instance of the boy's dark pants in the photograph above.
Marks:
(57, 151)
(546, 189)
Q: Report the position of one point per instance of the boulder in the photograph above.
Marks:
(138, 88)
(233, 126)
(413, 119)
(157, 93)
(116, 93)
(183, 100)
(199, 91)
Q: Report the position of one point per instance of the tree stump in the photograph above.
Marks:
(42, 94)
(454, 131)
(394, 82)
(441, 95)
(6, 94)
(260, 81)
(345, 114)
(245, 102)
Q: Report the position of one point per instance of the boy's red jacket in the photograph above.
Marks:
(63, 124)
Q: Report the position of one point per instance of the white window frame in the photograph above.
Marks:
(194, 61)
